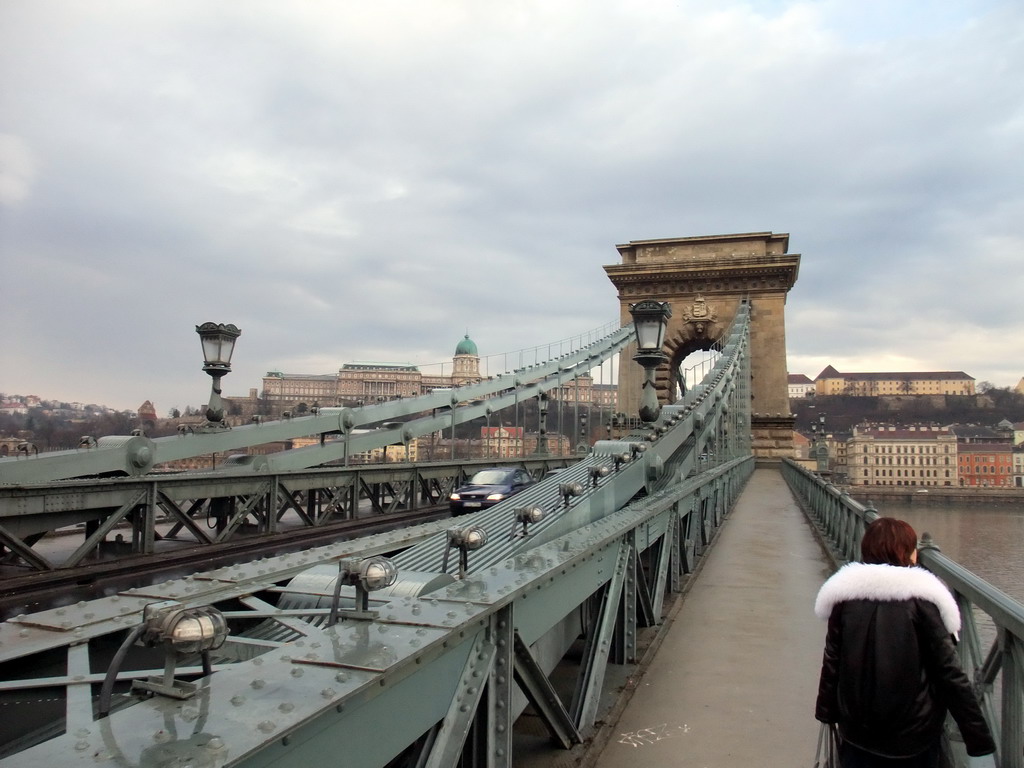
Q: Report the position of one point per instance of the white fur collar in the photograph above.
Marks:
(861, 581)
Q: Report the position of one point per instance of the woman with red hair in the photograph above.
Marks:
(889, 673)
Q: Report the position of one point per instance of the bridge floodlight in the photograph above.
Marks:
(620, 459)
(527, 516)
(25, 448)
(366, 575)
(181, 631)
(568, 490)
(596, 473)
(194, 629)
(465, 540)
(218, 345)
(650, 320)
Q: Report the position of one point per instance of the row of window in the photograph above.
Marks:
(907, 473)
(923, 461)
(904, 448)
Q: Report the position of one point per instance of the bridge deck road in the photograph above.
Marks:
(734, 681)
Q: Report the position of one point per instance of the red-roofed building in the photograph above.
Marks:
(502, 442)
(985, 456)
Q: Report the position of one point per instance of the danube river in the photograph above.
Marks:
(986, 539)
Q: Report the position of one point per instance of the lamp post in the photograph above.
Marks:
(218, 344)
(650, 319)
(542, 427)
(584, 444)
(822, 449)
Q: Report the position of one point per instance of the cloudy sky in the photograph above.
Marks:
(370, 180)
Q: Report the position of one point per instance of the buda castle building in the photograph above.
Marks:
(363, 383)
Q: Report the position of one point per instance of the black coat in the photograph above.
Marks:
(889, 672)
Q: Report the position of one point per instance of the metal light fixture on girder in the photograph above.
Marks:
(366, 575)
(218, 345)
(525, 516)
(465, 540)
(181, 631)
(650, 320)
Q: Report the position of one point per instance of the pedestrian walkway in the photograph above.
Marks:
(734, 682)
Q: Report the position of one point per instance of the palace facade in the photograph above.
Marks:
(365, 382)
(832, 382)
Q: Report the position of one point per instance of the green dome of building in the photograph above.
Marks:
(466, 347)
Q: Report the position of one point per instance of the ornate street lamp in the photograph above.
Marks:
(650, 319)
(218, 344)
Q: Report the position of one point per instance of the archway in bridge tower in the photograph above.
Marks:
(687, 369)
(689, 361)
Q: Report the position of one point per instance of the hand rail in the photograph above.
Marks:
(998, 673)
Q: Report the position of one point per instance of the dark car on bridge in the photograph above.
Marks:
(488, 487)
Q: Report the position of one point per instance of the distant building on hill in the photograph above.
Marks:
(367, 382)
(832, 382)
(800, 385)
(147, 415)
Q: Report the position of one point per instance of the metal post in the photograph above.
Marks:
(542, 429)
(650, 408)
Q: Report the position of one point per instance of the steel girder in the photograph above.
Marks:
(333, 685)
(212, 510)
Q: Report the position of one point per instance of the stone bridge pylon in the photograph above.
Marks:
(705, 279)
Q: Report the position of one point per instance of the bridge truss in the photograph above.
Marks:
(438, 674)
(42, 494)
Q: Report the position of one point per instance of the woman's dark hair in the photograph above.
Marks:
(888, 541)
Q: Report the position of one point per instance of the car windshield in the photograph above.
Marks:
(492, 477)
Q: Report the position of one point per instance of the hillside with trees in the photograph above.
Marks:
(843, 412)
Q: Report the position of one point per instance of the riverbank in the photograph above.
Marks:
(937, 496)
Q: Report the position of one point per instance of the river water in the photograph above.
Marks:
(986, 539)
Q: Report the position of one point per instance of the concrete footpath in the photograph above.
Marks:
(734, 681)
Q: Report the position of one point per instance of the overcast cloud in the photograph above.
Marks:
(350, 180)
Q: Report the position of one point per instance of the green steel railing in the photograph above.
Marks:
(996, 665)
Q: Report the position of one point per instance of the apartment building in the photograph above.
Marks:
(913, 455)
(984, 456)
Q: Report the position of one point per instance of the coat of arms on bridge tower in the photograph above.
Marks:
(699, 314)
